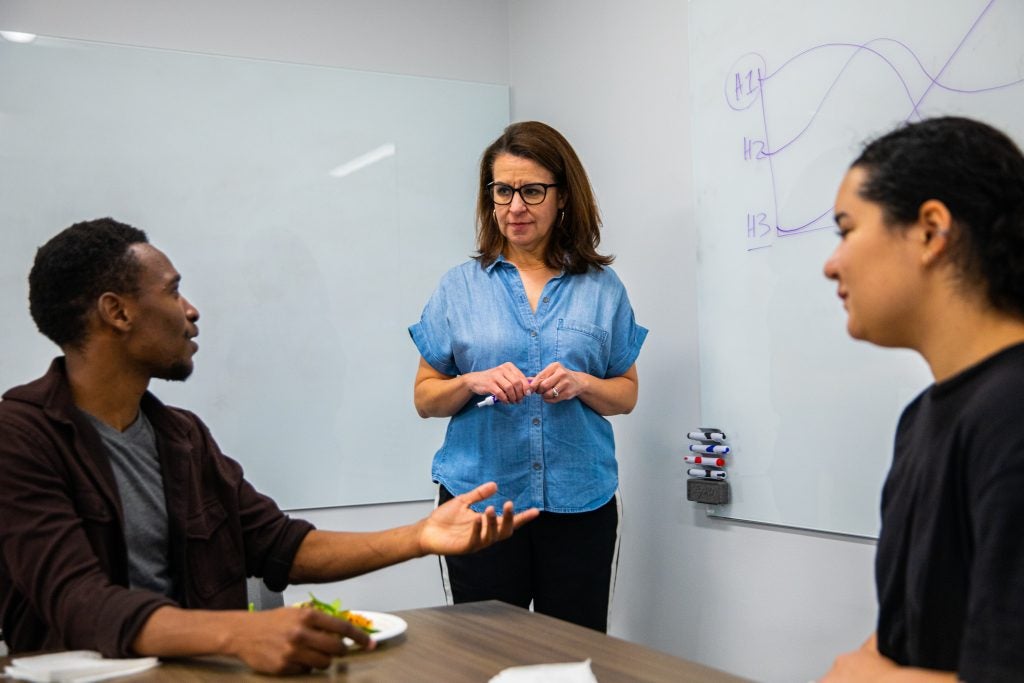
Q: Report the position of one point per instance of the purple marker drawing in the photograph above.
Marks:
(746, 83)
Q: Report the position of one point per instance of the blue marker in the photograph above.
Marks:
(489, 401)
(708, 448)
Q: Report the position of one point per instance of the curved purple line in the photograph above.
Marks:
(809, 50)
(782, 231)
(935, 79)
(953, 55)
(806, 232)
(831, 86)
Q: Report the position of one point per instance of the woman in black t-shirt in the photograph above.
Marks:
(931, 258)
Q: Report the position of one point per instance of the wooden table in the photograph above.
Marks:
(471, 643)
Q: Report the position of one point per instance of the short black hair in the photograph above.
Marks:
(74, 268)
(978, 173)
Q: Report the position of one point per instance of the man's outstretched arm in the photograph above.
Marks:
(451, 529)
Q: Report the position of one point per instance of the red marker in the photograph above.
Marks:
(708, 460)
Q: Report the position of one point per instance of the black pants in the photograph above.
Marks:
(563, 563)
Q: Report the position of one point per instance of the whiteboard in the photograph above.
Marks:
(783, 96)
(310, 210)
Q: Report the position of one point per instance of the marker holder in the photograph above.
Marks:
(702, 489)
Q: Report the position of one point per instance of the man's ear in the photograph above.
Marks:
(113, 310)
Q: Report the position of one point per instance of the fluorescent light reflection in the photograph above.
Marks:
(17, 36)
(364, 160)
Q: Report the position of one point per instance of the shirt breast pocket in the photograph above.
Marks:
(92, 508)
(214, 556)
(581, 346)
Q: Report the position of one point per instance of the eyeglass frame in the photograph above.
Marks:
(494, 183)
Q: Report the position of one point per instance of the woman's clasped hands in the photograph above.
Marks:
(557, 383)
(508, 384)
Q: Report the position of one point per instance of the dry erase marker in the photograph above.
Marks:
(706, 474)
(708, 460)
(708, 448)
(489, 401)
(709, 436)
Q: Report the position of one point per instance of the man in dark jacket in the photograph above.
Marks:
(123, 528)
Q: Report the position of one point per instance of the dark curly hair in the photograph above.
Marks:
(978, 173)
(574, 240)
(74, 268)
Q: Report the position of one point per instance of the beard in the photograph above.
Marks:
(176, 372)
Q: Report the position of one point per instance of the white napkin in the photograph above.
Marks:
(76, 666)
(571, 672)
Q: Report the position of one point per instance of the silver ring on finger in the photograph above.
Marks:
(554, 391)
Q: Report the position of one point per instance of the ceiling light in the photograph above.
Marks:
(17, 36)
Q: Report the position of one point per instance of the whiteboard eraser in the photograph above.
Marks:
(708, 491)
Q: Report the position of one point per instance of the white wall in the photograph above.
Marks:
(767, 603)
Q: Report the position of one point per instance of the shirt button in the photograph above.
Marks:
(546, 299)
(533, 333)
(536, 421)
(536, 465)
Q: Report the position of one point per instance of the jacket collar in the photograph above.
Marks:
(52, 393)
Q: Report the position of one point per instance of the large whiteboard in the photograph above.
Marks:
(310, 210)
(783, 95)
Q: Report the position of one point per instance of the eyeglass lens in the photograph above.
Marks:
(533, 193)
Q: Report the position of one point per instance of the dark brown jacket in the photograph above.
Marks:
(63, 561)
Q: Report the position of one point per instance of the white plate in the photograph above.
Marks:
(388, 625)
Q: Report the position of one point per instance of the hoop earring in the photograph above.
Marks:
(495, 214)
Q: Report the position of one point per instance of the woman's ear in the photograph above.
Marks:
(935, 222)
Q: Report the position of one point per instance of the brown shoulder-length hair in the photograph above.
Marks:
(574, 237)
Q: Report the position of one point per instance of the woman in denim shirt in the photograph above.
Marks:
(527, 347)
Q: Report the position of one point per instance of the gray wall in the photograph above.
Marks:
(768, 603)
(460, 39)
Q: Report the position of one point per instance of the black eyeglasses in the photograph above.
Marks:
(531, 193)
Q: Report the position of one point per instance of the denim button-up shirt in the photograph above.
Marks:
(559, 457)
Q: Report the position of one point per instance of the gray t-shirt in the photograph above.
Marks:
(136, 462)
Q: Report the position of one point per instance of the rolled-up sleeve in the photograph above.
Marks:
(627, 338)
(432, 335)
